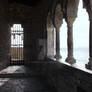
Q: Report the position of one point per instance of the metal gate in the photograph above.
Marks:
(17, 36)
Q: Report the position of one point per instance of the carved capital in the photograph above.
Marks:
(72, 8)
(49, 22)
(58, 20)
(70, 21)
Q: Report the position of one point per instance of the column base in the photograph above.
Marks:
(58, 56)
(70, 60)
(89, 65)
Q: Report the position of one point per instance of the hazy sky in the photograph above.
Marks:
(80, 30)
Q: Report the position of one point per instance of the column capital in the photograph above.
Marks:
(49, 22)
(70, 21)
(58, 19)
(58, 23)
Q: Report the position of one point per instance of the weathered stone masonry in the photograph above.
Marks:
(4, 35)
(34, 21)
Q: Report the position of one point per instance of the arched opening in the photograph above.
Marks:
(63, 40)
(17, 43)
(81, 35)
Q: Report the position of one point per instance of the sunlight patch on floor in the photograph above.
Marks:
(10, 69)
(3, 81)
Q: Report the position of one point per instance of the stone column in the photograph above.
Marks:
(57, 56)
(57, 23)
(50, 42)
(70, 59)
(89, 65)
(50, 37)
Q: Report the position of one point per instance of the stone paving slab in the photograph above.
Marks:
(15, 69)
(16, 79)
(24, 85)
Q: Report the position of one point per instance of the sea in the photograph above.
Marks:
(80, 54)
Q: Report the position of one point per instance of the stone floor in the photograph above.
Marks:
(23, 84)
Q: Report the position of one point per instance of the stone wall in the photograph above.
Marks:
(4, 36)
(64, 78)
(32, 19)
(4, 44)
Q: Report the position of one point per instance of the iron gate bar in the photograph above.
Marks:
(17, 44)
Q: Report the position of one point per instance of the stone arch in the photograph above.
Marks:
(58, 11)
(81, 26)
(88, 5)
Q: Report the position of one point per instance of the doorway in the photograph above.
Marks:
(17, 44)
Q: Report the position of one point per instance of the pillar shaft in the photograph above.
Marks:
(89, 65)
(70, 41)
(70, 59)
(90, 40)
(50, 42)
(58, 43)
(58, 21)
